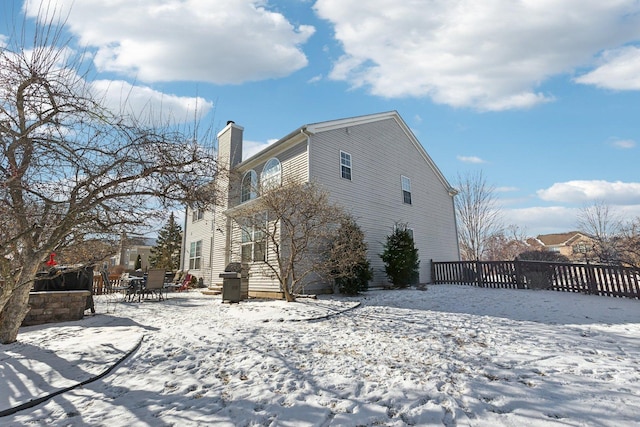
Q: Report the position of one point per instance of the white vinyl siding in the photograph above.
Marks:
(260, 277)
(201, 231)
(372, 196)
(294, 165)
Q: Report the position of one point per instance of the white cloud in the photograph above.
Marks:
(619, 70)
(470, 159)
(623, 143)
(484, 55)
(249, 148)
(148, 104)
(218, 41)
(617, 193)
(542, 220)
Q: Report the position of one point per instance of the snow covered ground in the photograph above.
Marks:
(450, 355)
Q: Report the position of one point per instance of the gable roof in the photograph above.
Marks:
(313, 128)
(559, 238)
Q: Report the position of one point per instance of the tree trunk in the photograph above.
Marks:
(288, 296)
(13, 314)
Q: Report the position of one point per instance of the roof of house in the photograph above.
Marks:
(559, 238)
(312, 128)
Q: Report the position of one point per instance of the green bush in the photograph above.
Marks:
(350, 267)
(400, 257)
(357, 281)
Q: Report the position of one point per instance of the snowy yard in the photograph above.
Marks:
(450, 355)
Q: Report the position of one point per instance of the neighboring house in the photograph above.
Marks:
(130, 248)
(574, 245)
(372, 165)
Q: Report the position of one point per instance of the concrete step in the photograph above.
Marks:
(212, 290)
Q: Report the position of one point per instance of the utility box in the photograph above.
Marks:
(235, 283)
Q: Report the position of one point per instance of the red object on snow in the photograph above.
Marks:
(52, 261)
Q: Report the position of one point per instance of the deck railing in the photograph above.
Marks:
(99, 288)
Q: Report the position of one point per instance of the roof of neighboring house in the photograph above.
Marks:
(559, 238)
(140, 241)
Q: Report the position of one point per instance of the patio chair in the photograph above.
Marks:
(185, 283)
(110, 289)
(155, 283)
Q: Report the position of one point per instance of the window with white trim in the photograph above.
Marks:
(253, 242)
(249, 186)
(271, 176)
(195, 255)
(406, 189)
(197, 215)
(345, 165)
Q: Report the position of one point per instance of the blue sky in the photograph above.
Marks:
(541, 96)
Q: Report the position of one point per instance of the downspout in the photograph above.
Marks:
(453, 192)
(184, 239)
(308, 135)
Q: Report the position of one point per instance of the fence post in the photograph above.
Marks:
(517, 273)
(591, 280)
(479, 274)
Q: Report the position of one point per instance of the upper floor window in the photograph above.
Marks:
(249, 186)
(345, 165)
(406, 190)
(197, 215)
(271, 174)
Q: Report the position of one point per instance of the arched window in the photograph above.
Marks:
(271, 174)
(249, 186)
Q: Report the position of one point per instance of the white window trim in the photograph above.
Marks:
(350, 166)
(252, 193)
(406, 188)
(252, 242)
(197, 215)
(273, 181)
(194, 256)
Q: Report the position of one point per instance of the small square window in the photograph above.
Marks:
(406, 190)
(197, 215)
(345, 165)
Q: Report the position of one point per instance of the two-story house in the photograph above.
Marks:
(574, 245)
(371, 165)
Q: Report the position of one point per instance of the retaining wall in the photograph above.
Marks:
(57, 306)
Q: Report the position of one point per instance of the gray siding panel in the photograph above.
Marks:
(381, 153)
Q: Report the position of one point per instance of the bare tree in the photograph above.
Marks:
(599, 222)
(290, 229)
(629, 246)
(506, 245)
(478, 215)
(89, 251)
(71, 169)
